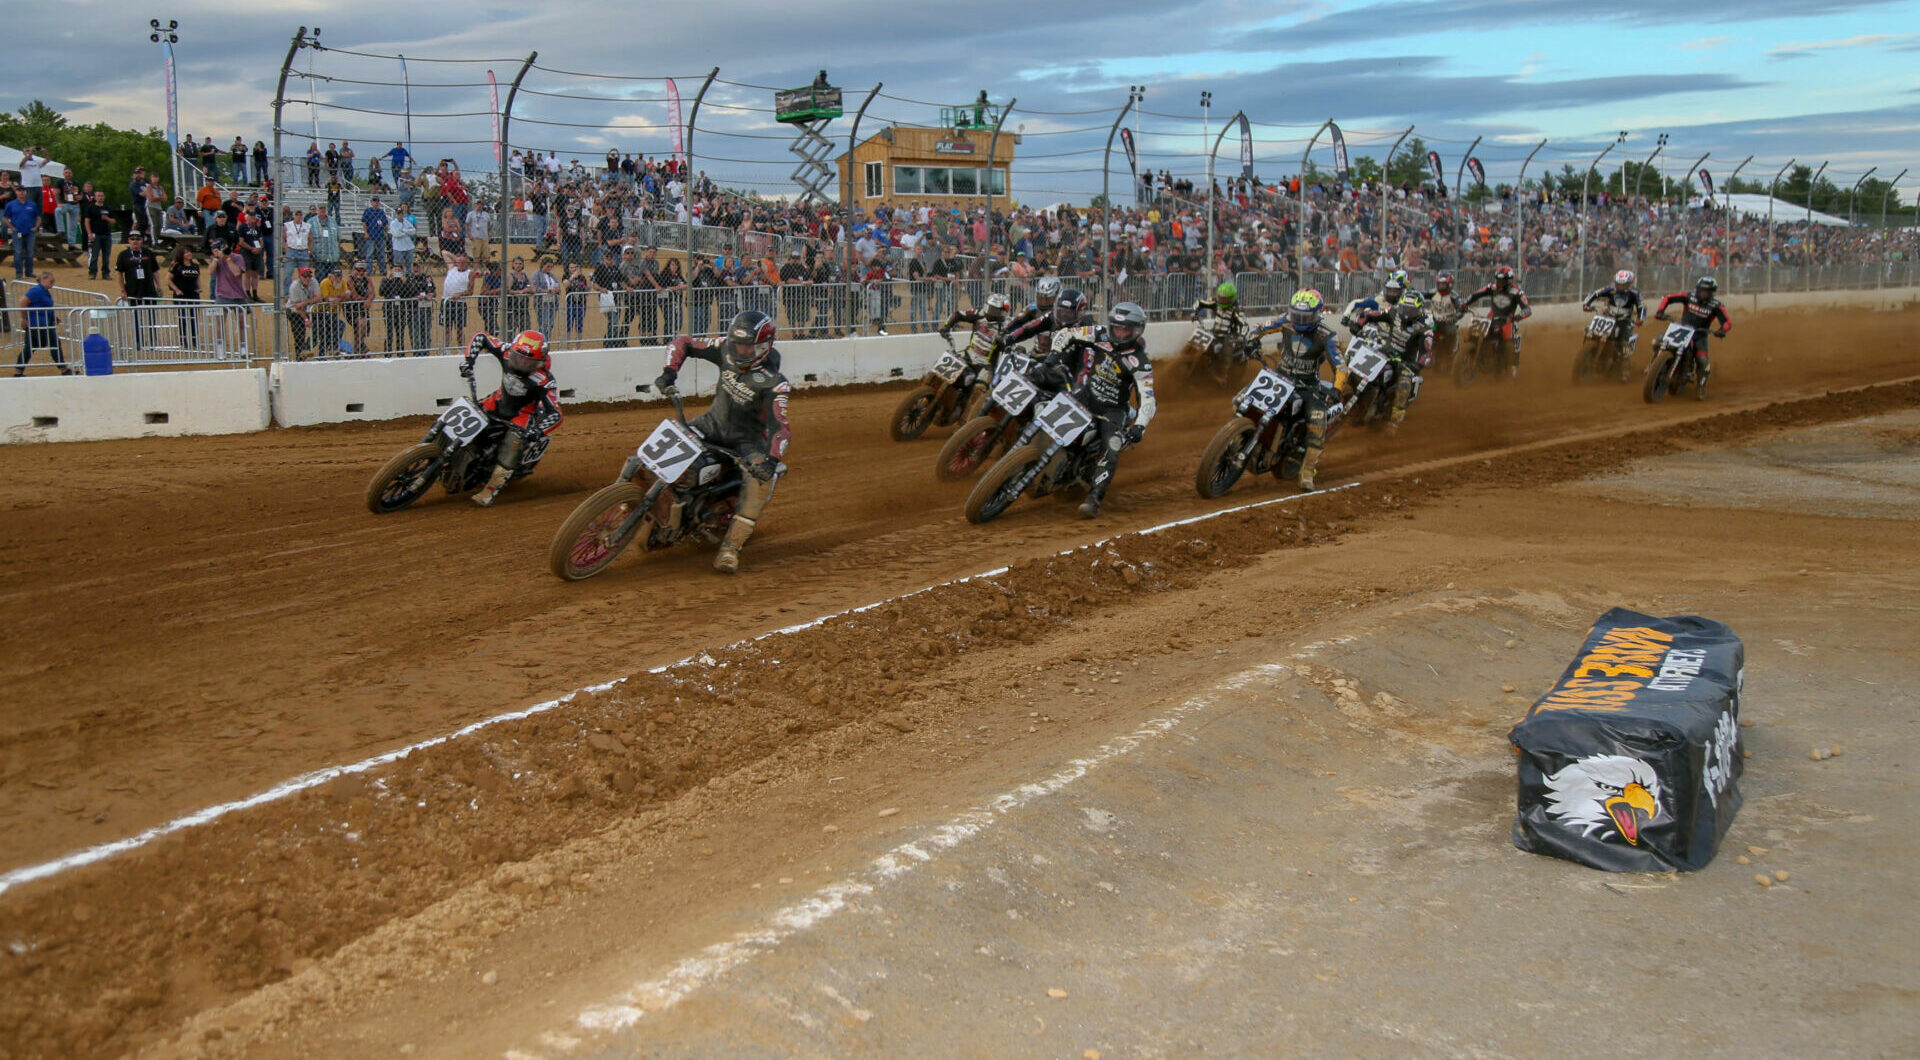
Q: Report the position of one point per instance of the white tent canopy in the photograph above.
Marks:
(10, 160)
(1784, 212)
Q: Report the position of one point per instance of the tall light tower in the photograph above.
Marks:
(166, 37)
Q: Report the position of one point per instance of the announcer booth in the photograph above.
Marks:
(946, 167)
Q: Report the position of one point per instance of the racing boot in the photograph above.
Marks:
(728, 559)
(1308, 462)
(1091, 506)
(498, 482)
(1701, 372)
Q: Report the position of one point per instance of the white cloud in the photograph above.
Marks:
(1705, 44)
(1802, 49)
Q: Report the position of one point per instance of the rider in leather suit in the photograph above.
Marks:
(1443, 305)
(1507, 307)
(1700, 311)
(528, 396)
(1623, 296)
(1407, 337)
(1305, 344)
(990, 321)
(1069, 314)
(1046, 291)
(748, 416)
(1104, 370)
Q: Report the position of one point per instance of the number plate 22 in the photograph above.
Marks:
(670, 450)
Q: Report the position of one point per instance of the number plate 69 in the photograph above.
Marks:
(462, 422)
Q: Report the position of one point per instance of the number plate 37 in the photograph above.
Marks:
(670, 450)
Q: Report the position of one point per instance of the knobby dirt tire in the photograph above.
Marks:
(581, 548)
(913, 415)
(1586, 363)
(1655, 387)
(1466, 364)
(1217, 472)
(967, 449)
(385, 494)
(992, 495)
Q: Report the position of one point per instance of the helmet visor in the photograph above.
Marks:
(744, 355)
(523, 362)
(1304, 319)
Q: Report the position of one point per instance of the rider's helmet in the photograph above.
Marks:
(1705, 287)
(748, 341)
(1303, 312)
(1503, 277)
(1623, 279)
(1046, 291)
(527, 353)
(1411, 309)
(1395, 289)
(996, 307)
(1226, 296)
(1069, 308)
(1126, 322)
(1399, 275)
(1443, 283)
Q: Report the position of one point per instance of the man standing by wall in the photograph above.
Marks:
(41, 333)
(99, 225)
(139, 271)
(373, 222)
(23, 224)
(326, 244)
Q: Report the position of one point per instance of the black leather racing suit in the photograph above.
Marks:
(748, 416)
(1505, 310)
(1627, 306)
(1104, 375)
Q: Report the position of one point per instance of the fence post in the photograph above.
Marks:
(273, 201)
(1520, 211)
(686, 184)
(504, 216)
(846, 198)
(1135, 93)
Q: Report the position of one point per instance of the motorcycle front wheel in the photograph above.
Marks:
(913, 416)
(1220, 466)
(402, 480)
(994, 493)
(1657, 382)
(591, 537)
(967, 449)
(1586, 363)
(1466, 364)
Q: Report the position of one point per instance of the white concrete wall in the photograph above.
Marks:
(82, 408)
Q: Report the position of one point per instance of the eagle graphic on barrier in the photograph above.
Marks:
(1593, 792)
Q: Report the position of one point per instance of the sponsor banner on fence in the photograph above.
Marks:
(1133, 160)
(1246, 148)
(1629, 763)
(1479, 171)
(1433, 163)
(1339, 151)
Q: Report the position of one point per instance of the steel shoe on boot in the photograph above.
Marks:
(1306, 482)
(728, 559)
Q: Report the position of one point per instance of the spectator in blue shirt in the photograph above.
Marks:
(41, 333)
(373, 221)
(23, 223)
(399, 159)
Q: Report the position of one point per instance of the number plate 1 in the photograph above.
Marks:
(1014, 393)
(1268, 391)
(462, 422)
(1063, 418)
(1366, 362)
(670, 450)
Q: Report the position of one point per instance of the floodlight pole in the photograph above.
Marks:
(1886, 261)
(1135, 93)
(505, 217)
(1300, 250)
(1520, 208)
(686, 188)
(1385, 167)
(1212, 155)
(1773, 195)
(1585, 182)
(1726, 257)
(846, 200)
(1810, 239)
(273, 201)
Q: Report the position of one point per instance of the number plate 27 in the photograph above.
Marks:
(949, 367)
(462, 422)
(670, 450)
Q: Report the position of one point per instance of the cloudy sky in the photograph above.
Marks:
(1778, 79)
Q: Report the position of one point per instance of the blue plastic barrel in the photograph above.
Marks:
(97, 353)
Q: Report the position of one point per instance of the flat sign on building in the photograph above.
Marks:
(953, 147)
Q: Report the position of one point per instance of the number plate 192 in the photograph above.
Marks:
(670, 450)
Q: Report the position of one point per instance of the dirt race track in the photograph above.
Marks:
(193, 621)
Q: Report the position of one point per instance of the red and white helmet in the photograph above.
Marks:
(749, 340)
(1623, 279)
(1503, 277)
(527, 353)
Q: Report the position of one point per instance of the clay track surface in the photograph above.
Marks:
(196, 620)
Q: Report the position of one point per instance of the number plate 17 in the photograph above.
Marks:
(670, 450)
(1063, 419)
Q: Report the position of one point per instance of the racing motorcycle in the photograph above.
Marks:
(1217, 352)
(1008, 410)
(677, 486)
(945, 396)
(1604, 352)
(1056, 451)
(1374, 375)
(1674, 364)
(1268, 432)
(1483, 349)
(458, 452)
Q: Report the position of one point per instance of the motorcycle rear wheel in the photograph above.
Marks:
(589, 539)
(994, 493)
(913, 416)
(967, 449)
(1218, 469)
(393, 487)
(1657, 382)
(1586, 363)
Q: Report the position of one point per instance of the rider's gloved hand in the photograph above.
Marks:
(666, 380)
(1721, 334)
(760, 466)
(945, 332)
(466, 369)
(1135, 433)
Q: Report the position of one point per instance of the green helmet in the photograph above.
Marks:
(1226, 295)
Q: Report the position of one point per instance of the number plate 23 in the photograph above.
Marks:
(670, 450)
(462, 422)
(1268, 392)
(1063, 419)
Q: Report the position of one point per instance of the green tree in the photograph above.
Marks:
(1410, 165)
(99, 152)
